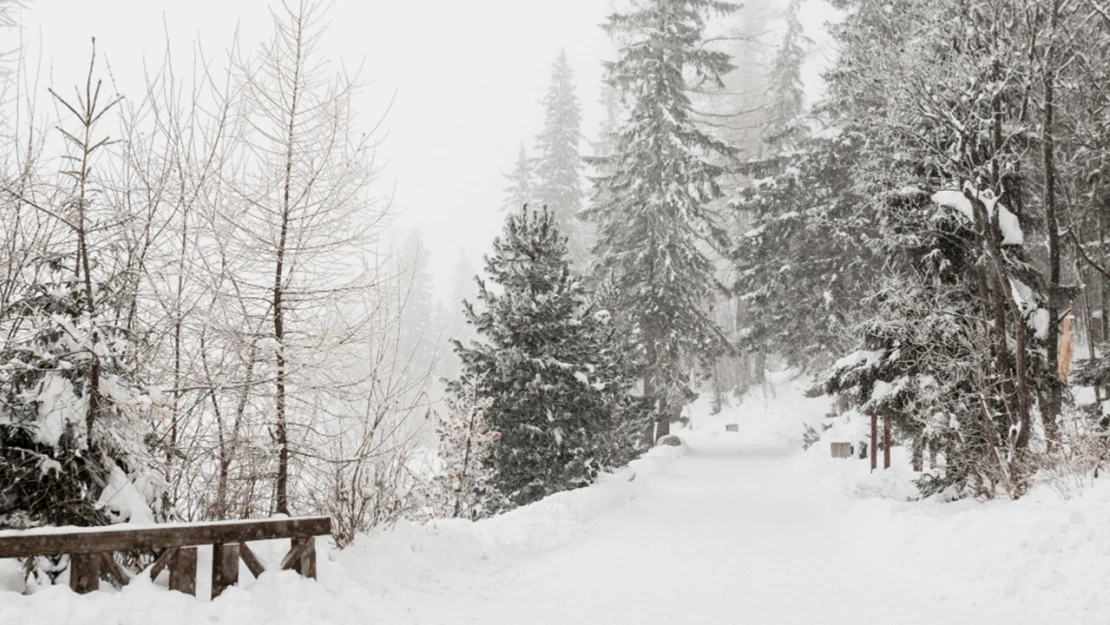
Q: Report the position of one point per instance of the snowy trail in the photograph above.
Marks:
(729, 534)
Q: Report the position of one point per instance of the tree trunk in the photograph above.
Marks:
(1051, 409)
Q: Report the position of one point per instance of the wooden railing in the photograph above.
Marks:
(90, 549)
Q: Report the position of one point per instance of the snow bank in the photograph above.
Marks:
(370, 582)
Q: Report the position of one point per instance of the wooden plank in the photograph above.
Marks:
(113, 568)
(251, 560)
(84, 572)
(886, 442)
(23, 544)
(162, 562)
(305, 563)
(183, 570)
(293, 558)
(225, 568)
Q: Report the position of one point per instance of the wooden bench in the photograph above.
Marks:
(90, 549)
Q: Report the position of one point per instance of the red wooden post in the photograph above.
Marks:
(886, 442)
(874, 441)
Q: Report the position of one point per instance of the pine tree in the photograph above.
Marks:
(606, 142)
(521, 190)
(803, 263)
(559, 164)
(419, 336)
(788, 90)
(799, 257)
(73, 404)
(455, 326)
(652, 198)
(945, 172)
(549, 363)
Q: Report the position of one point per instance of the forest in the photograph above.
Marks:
(204, 314)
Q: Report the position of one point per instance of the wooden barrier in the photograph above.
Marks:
(90, 549)
(875, 442)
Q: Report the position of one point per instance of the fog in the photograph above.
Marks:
(458, 83)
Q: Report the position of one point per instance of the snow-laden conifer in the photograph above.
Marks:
(652, 201)
(547, 360)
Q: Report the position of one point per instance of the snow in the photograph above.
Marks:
(58, 407)
(730, 528)
(1008, 222)
(868, 358)
(123, 501)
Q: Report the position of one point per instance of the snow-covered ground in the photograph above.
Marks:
(731, 528)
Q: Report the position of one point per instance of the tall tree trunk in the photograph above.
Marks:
(282, 432)
(1051, 409)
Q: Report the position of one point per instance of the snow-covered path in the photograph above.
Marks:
(721, 534)
(728, 534)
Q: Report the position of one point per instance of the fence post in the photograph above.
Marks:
(874, 441)
(183, 570)
(225, 567)
(84, 572)
(886, 442)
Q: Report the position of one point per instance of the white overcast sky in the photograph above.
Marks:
(467, 75)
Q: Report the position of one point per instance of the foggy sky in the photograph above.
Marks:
(465, 78)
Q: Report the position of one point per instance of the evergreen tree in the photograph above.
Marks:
(455, 326)
(73, 403)
(804, 262)
(419, 336)
(788, 91)
(799, 254)
(521, 189)
(559, 165)
(651, 203)
(945, 174)
(606, 142)
(549, 363)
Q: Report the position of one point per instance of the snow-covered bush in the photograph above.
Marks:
(463, 486)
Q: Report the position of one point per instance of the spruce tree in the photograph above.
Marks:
(418, 348)
(652, 200)
(788, 90)
(559, 164)
(521, 189)
(548, 362)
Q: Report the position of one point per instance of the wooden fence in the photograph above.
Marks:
(90, 549)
